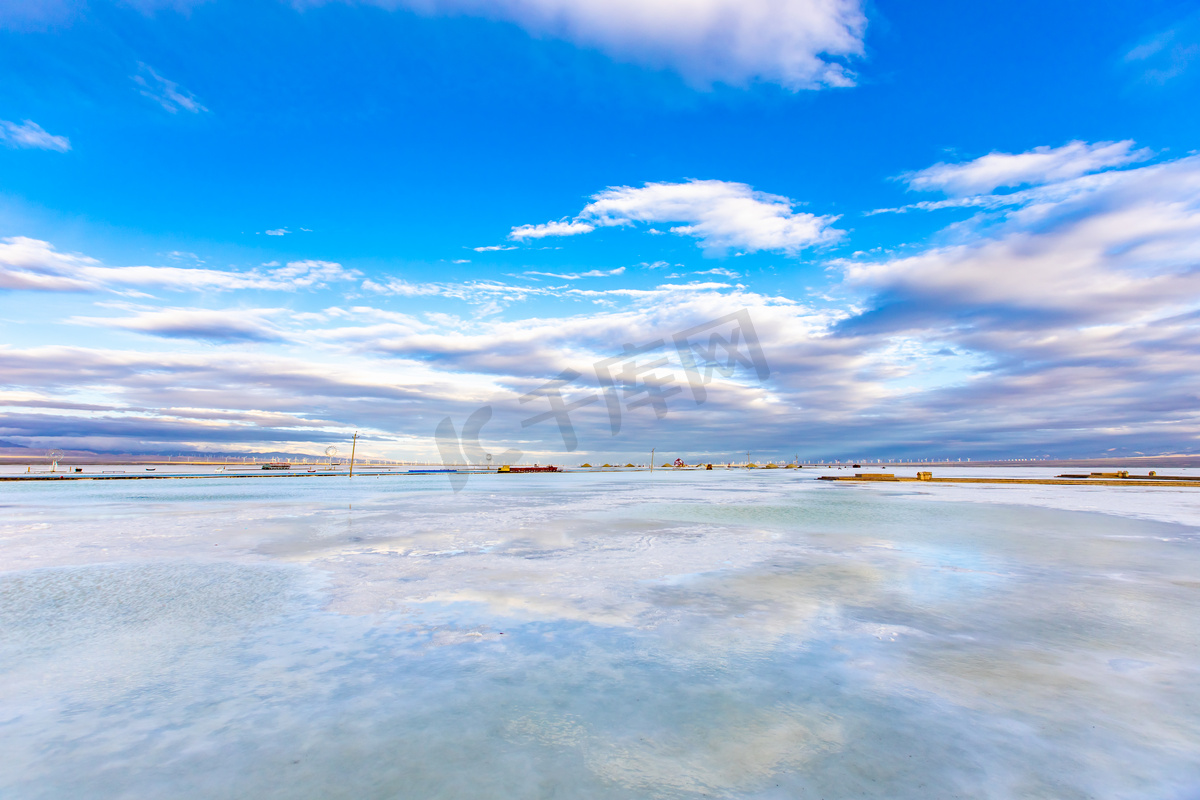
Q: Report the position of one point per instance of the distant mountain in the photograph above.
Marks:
(4, 443)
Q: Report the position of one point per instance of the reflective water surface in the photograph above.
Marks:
(727, 634)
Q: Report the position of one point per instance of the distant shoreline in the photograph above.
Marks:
(39, 459)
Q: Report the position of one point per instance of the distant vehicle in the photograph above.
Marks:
(277, 465)
(507, 468)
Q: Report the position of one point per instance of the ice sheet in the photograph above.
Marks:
(584, 635)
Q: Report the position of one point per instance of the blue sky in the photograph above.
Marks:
(959, 231)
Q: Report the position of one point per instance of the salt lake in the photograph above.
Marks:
(751, 634)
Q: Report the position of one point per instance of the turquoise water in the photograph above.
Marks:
(597, 636)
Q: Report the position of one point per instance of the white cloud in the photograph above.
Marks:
(1066, 316)
(33, 264)
(526, 347)
(573, 276)
(790, 42)
(1082, 294)
(278, 232)
(22, 16)
(1168, 54)
(1075, 311)
(1037, 166)
(491, 296)
(217, 325)
(1087, 292)
(308, 274)
(974, 201)
(231, 395)
(30, 135)
(492, 247)
(363, 374)
(560, 228)
(1096, 248)
(721, 214)
(798, 44)
(167, 94)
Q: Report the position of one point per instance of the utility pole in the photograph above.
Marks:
(353, 446)
(651, 460)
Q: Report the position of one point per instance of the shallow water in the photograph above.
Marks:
(586, 635)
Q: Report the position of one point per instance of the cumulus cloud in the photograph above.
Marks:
(33, 264)
(722, 215)
(1037, 166)
(30, 135)
(795, 43)
(167, 94)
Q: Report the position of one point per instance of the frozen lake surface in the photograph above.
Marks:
(687, 634)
